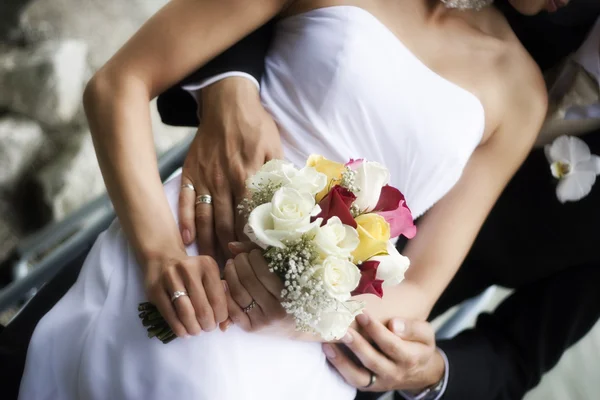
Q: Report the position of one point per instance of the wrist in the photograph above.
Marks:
(230, 93)
(432, 375)
(436, 370)
(159, 247)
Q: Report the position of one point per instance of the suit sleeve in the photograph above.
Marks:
(177, 107)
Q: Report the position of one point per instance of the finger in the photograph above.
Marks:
(389, 343)
(237, 291)
(370, 357)
(239, 193)
(242, 299)
(215, 291)
(183, 305)
(187, 197)
(241, 247)
(269, 280)
(237, 315)
(167, 311)
(413, 330)
(205, 224)
(202, 308)
(267, 302)
(225, 222)
(354, 375)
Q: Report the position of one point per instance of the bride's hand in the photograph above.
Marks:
(253, 300)
(204, 306)
(235, 138)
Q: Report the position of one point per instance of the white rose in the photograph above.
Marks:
(369, 179)
(391, 267)
(336, 239)
(276, 172)
(308, 180)
(335, 320)
(286, 217)
(339, 276)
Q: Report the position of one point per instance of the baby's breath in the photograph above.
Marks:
(348, 180)
(262, 195)
(303, 295)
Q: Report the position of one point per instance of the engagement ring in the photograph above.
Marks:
(177, 295)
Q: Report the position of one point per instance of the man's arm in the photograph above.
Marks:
(178, 108)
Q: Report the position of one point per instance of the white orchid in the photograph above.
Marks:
(572, 163)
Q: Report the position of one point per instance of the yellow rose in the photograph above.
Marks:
(332, 169)
(373, 234)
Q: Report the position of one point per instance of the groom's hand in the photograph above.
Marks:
(404, 356)
(235, 138)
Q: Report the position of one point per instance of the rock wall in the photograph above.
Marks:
(48, 51)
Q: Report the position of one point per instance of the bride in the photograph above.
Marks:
(447, 99)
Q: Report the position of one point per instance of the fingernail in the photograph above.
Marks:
(187, 236)
(328, 350)
(362, 319)
(347, 338)
(398, 326)
(234, 246)
(225, 325)
(229, 262)
(224, 286)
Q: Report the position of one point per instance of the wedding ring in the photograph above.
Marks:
(188, 186)
(249, 307)
(204, 199)
(372, 380)
(177, 295)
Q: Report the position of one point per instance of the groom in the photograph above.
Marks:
(545, 250)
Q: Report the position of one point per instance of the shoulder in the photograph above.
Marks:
(523, 95)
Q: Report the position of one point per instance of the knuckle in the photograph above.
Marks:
(411, 362)
(370, 364)
(185, 314)
(208, 266)
(218, 178)
(393, 350)
(182, 269)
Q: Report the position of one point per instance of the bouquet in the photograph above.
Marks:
(325, 230)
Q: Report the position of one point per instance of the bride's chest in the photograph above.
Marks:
(354, 73)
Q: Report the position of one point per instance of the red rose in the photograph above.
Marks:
(368, 279)
(392, 206)
(337, 204)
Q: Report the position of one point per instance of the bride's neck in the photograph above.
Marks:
(489, 20)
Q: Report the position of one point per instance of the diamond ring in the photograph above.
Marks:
(249, 307)
(177, 295)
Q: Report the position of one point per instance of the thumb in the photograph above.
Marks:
(413, 330)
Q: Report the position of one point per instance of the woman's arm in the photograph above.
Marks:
(161, 53)
(176, 106)
(448, 230)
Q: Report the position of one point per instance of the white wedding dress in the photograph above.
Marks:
(338, 83)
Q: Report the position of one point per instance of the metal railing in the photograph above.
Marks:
(41, 256)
